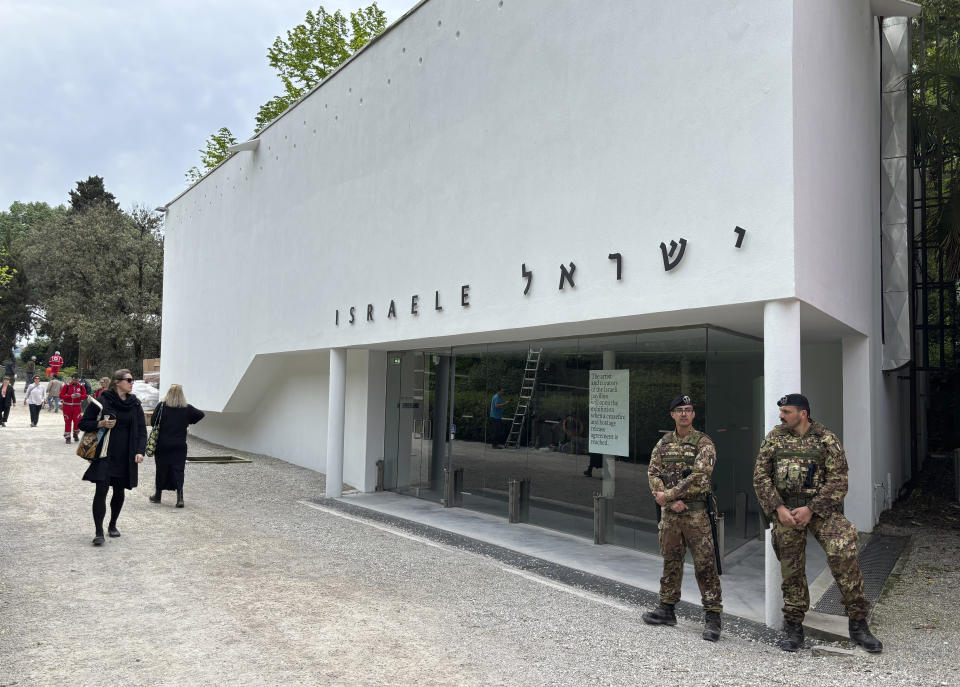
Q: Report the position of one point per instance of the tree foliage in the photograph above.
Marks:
(308, 54)
(16, 303)
(96, 275)
(92, 193)
(212, 154)
(936, 121)
(314, 49)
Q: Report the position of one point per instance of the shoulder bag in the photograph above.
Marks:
(154, 433)
(90, 441)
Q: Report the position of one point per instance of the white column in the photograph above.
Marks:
(781, 375)
(857, 400)
(337, 396)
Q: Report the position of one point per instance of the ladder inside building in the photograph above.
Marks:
(526, 395)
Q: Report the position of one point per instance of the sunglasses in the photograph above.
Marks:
(127, 379)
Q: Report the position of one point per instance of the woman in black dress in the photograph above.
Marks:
(172, 415)
(123, 416)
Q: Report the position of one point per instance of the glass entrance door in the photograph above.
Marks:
(411, 425)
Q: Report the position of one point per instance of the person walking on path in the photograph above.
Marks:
(104, 385)
(680, 472)
(10, 370)
(7, 399)
(56, 362)
(171, 417)
(72, 395)
(53, 393)
(123, 417)
(34, 397)
(31, 368)
(801, 479)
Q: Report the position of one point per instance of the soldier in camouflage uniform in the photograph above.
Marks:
(681, 466)
(801, 478)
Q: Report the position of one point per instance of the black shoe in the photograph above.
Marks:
(156, 497)
(860, 633)
(711, 626)
(76, 436)
(588, 472)
(113, 531)
(661, 615)
(794, 638)
(98, 540)
(67, 439)
(179, 498)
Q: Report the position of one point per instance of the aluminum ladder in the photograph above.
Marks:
(530, 371)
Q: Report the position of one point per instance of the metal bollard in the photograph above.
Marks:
(721, 535)
(452, 487)
(956, 474)
(518, 500)
(602, 518)
(379, 486)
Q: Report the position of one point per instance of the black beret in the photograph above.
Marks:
(798, 400)
(680, 401)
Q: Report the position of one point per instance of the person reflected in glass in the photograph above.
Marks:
(172, 416)
(126, 443)
(497, 404)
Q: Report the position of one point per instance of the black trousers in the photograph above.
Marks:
(5, 414)
(35, 413)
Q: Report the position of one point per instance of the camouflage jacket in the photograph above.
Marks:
(672, 456)
(811, 468)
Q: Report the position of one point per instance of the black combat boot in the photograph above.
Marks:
(661, 615)
(179, 498)
(711, 626)
(794, 638)
(156, 497)
(76, 436)
(860, 633)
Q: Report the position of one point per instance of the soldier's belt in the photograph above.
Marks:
(797, 501)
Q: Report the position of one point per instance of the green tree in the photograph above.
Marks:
(40, 348)
(310, 52)
(212, 154)
(97, 277)
(315, 48)
(17, 302)
(91, 193)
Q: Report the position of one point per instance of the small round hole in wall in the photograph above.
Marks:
(500, 4)
(314, 132)
(349, 90)
(361, 101)
(439, 23)
(458, 34)
(421, 60)
(336, 117)
(403, 51)
(388, 82)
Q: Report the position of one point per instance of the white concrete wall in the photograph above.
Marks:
(545, 132)
(822, 374)
(836, 101)
(290, 419)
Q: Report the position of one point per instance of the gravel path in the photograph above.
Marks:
(248, 585)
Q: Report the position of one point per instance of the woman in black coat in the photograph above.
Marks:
(172, 415)
(7, 399)
(123, 416)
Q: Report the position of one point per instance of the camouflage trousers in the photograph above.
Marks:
(838, 537)
(679, 531)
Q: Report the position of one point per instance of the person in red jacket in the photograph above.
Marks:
(56, 362)
(72, 395)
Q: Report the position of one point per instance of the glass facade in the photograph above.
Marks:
(544, 434)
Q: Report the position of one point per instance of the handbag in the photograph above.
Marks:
(90, 441)
(154, 434)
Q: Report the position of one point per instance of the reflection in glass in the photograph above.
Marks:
(547, 404)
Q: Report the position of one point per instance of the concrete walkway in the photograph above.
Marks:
(250, 584)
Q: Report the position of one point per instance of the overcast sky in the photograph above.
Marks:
(131, 90)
